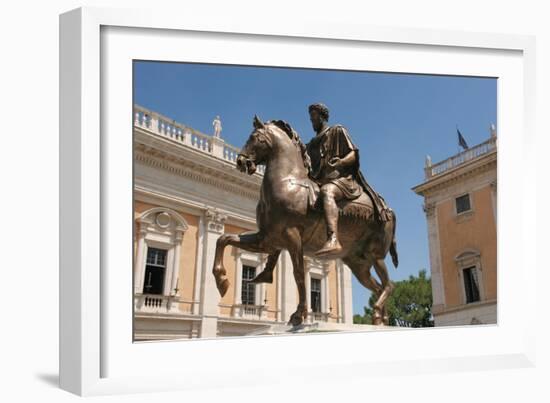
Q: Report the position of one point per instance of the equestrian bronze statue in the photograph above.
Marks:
(314, 201)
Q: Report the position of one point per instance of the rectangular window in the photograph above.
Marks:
(463, 204)
(155, 270)
(248, 290)
(316, 295)
(471, 284)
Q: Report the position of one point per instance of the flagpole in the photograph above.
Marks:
(457, 144)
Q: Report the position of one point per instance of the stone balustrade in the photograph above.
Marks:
(318, 316)
(432, 170)
(230, 152)
(160, 125)
(249, 311)
(154, 303)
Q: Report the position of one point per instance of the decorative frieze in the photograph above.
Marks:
(196, 172)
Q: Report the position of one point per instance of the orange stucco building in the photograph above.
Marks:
(187, 192)
(460, 202)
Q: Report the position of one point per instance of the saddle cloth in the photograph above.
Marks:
(360, 207)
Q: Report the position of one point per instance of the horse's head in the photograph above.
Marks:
(266, 138)
(257, 148)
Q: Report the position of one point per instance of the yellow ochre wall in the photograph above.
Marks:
(476, 232)
(271, 295)
(188, 260)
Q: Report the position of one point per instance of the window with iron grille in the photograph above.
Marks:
(248, 290)
(471, 284)
(316, 295)
(463, 204)
(155, 271)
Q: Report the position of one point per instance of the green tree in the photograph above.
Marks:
(410, 304)
(366, 319)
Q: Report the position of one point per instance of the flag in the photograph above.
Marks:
(461, 140)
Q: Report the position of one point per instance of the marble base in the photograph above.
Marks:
(320, 327)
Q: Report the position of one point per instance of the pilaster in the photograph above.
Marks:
(288, 287)
(237, 300)
(435, 257)
(176, 264)
(326, 284)
(308, 289)
(214, 227)
(139, 266)
(347, 304)
(339, 303)
(197, 307)
(494, 199)
(279, 274)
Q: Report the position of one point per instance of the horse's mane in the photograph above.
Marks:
(296, 140)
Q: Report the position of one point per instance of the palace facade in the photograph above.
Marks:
(460, 202)
(187, 192)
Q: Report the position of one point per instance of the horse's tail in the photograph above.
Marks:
(393, 246)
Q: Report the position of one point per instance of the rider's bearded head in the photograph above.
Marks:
(318, 114)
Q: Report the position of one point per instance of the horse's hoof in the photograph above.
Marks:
(296, 329)
(263, 277)
(223, 287)
(377, 318)
(295, 320)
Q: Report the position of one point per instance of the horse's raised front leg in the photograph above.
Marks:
(296, 252)
(250, 241)
(266, 276)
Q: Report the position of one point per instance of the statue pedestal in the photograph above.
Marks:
(217, 147)
(323, 327)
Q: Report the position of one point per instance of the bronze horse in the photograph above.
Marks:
(286, 220)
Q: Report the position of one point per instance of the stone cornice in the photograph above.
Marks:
(470, 169)
(183, 161)
(197, 174)
(164, 153)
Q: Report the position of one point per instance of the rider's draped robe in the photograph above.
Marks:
(335, 141)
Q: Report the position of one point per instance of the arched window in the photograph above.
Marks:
(159, 236)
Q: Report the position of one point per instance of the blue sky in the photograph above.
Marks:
(394, 119)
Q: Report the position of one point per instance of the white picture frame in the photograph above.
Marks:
(97, 355)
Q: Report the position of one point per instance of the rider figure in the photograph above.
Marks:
(335, 168)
